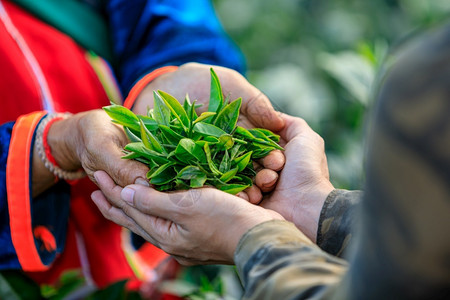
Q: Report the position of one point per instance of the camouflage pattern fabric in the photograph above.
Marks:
(337, 219)
(401, 249)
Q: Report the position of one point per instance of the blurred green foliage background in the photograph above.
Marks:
(319, 59)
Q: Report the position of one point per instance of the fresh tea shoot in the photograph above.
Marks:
(185, 150)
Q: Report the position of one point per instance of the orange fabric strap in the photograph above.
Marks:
(142, 83)
(18, 191)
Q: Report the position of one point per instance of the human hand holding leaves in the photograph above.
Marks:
(184, 150)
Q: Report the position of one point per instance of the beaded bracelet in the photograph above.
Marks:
(44, 151)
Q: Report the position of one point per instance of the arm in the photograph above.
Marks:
(338, 221)
(277, 261)
(34, 208)
(150, 34)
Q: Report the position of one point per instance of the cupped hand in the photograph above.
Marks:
(195, 79)
(256, 110)
(196, 226)
(91, 141)
(303, 184)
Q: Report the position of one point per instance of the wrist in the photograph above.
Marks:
(307, 218)
(258, 216)
(63, 138)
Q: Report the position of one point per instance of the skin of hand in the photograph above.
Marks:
(197, 226)
(303, 184)
(256, 111)
(195, 79)
(91, 141)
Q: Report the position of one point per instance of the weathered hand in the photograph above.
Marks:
(194, 79)
(303, 185)
(197, 226)
(90, 140)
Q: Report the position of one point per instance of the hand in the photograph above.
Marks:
(256, 110)
(91, 141)
(304, 184)
(194, 79)
(197, 226)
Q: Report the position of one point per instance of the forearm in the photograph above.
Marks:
(276, 261)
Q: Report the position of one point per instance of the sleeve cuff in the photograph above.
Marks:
(337, 221)
(265, 235)
(18, 191)
(142, 83)
(37, 225)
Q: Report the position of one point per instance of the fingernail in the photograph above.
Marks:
(141, 181)
(127, 195)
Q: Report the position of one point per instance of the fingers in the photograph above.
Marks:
(117, 215)
(266, 180)
(275, 160)
(109, 188)
(254, 194)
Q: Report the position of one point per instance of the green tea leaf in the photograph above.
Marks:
(203, 116)
(261, 136)
(233, 188)
(226, 141)
(149, 122)
(243, 179)
(161, 112)
(229, 175)
(192, 113)
(123, 116)
(189, 172)
(187, 150)
(228, 116)
(196, 176)
(225, 162)
(216, 95)
(208, 130)
(149, 140)
(235, 151)
(211, 164)
(162, 175)
(242, 161)
(267, 133)
(170, 135)
(187, 104)
(243, 132)
(260, 151)
(131, 136)
(176, 108)
(249, 135)
(147, 153)
(198, 181)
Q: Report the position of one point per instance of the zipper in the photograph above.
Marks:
(36, 71)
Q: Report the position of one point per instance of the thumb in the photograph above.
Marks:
(258, 109)
(294, 126)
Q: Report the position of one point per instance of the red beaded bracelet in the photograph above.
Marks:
(44, 150)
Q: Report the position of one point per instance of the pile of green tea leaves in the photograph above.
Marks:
(184, 150)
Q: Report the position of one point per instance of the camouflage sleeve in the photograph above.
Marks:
(277, 261)
(337, 221)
